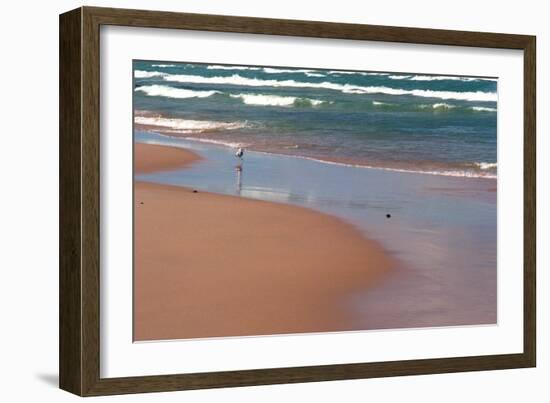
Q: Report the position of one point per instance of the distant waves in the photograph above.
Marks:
(239, 80)
(248, 99)
(255, 99)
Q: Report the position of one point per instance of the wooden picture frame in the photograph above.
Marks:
(79, 346)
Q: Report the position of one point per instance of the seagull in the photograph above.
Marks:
(239, 154)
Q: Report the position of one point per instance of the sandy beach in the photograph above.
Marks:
(211, 265)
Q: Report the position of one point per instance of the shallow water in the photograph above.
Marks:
(442, 230)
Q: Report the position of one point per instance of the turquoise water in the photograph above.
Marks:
(442, 125)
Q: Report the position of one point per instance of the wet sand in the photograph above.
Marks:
(210, 265)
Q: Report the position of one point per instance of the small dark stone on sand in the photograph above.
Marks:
(388, 215)
(195, 191)
(140, 202)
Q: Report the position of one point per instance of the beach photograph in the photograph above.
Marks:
(273, 200)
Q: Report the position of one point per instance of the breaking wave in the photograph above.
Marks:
(221, 67)
(170, 92)
(483, 109)
(236, 79)
(148, 74)
(443, 106)
(186, 126)
(486, 165)
(275, 100)
(413, 77)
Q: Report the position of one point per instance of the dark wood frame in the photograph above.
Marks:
(79, 201)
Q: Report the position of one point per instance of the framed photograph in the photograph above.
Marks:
(249, 201)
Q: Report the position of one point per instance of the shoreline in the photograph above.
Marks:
(441, 170)
(285, 282)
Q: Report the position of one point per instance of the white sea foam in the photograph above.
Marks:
(466, 96)
(378, 103)
(186, 125)
(440, 105)
(486, 165)
(437, 78)
(414, 77)
(148, 74)
(443, 106)
(483, 109)
(271, 100)
(236, 79)
(271, 70)
(268, 70)
(220, 67)
(274, 100)
(360, 73)
(171, 92)
(453, 78)
(314, 74)
(163, 65)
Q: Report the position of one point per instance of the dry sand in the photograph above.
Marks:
(209, 265)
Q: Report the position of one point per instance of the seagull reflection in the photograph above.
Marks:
(239, 170)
